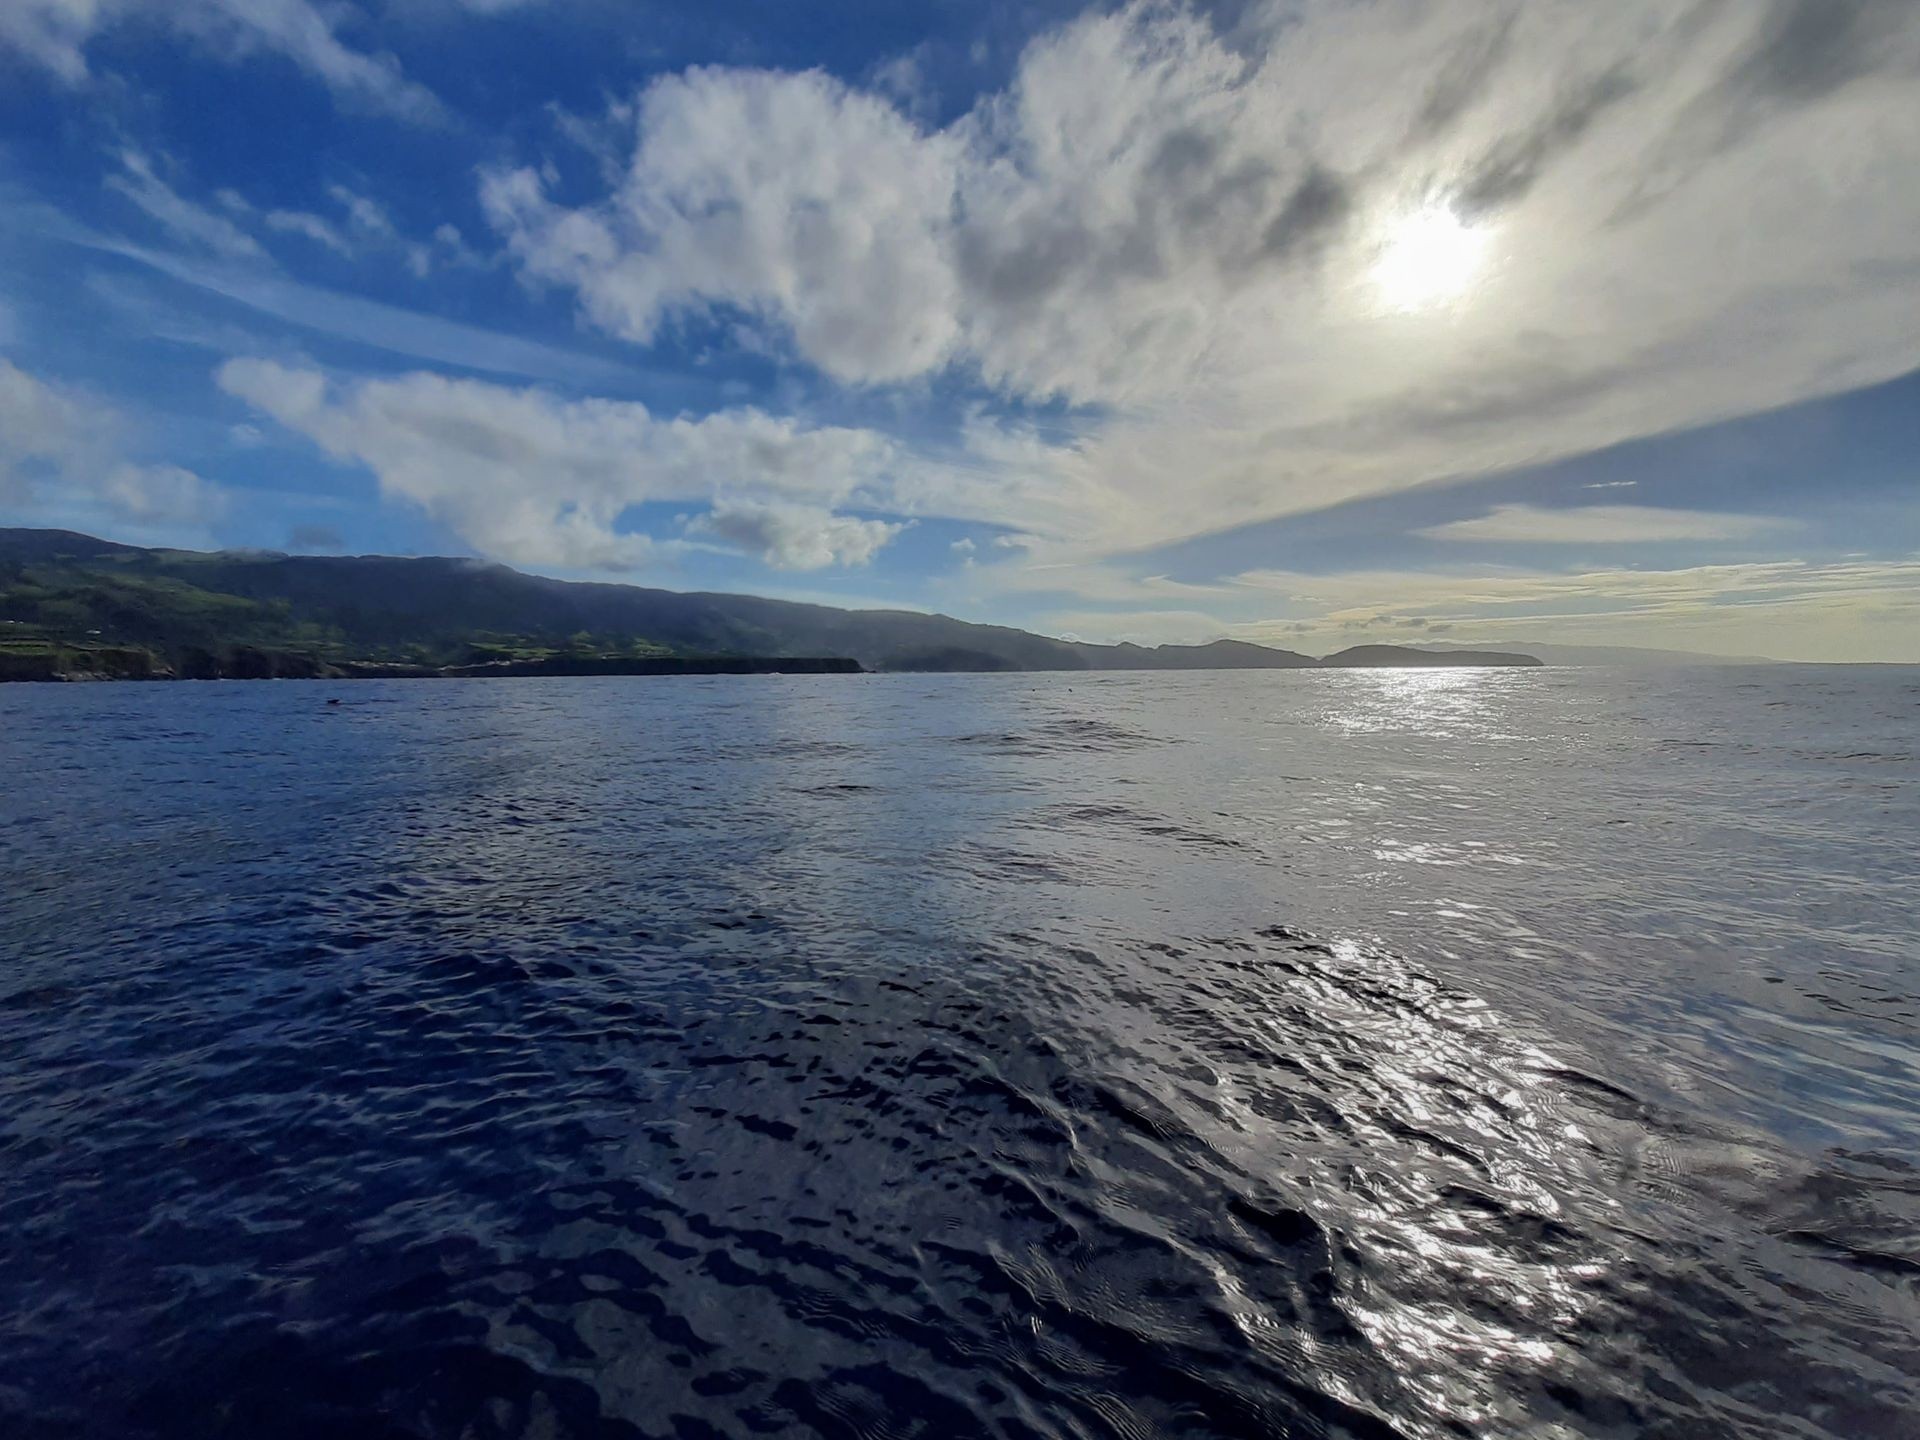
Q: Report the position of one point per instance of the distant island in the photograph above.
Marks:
(73, 607)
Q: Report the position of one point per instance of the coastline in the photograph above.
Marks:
(58, 669)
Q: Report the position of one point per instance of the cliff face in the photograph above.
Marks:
(96, 663)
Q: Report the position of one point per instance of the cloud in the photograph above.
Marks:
(790, 196)
(533, 479)
(1099, 581)
(1856, 609)
(1605, 525)
(147, 493)
(197, 225)
(37, 422)
(368, 230)
(314, 227)
(52, 33)
(367, 215)
(57, 34)
(61, 457)
(452, 9)
(1137, 627)
(1176, 230)
(796, 537)
(903, 78)
(1513, 595)
(345, 316)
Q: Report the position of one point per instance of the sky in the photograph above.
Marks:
(1307, 322)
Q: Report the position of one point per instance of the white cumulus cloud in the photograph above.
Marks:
(535, 479)
(791, 196)
(62, 458)
(796, 537)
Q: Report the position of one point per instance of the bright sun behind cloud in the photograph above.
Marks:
(1428, 259)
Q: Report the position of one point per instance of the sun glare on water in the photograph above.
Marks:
(1428, 259)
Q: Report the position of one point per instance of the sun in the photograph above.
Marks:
(1428, 259)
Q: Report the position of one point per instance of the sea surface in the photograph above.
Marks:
(1364, 1053)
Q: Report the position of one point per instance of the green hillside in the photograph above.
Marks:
(73, 604)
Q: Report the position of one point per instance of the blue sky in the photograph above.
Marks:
(1305, 321)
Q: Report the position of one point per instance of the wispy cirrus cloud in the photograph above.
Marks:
(1605, 525)
(58, 34)
(1360, 595)
(270, 291)
(316, 228)
(362, 228)
(183, 219)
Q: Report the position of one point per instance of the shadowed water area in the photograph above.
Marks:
(1367, 1054)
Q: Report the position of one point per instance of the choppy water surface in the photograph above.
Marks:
(1344, 1054)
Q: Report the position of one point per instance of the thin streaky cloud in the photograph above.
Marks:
(341, 315)
(59, 35)
(1605, 525)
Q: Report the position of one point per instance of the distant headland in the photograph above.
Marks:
(76, 608)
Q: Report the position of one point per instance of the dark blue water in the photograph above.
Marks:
(1345, 1054)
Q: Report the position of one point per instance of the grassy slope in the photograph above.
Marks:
(60, 587)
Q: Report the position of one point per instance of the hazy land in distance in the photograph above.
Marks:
(76, 607)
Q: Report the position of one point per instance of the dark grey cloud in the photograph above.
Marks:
(1807, 49)
(1195, 183)
(1185, 151)
(1196, 200)
(1466, 75)
(1800, 53)
(1516, 164)
(1020, 269)
(1312, 215)
(1535, 381)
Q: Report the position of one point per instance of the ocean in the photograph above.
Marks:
(1360, 1053)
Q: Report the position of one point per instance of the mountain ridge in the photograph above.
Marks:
(191, 609)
